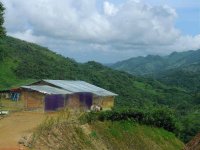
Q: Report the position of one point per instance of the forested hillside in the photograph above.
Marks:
(141, 65)
(153, 64)
(177, 69)
(22, 62)
(186, 79)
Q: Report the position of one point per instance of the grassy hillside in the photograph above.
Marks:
(118, 135)
(127, 135)
(22, 62)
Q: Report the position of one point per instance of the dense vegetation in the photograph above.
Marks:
(159, 117)
(2, 29)
(154, 64)
(22, 62)
(156, 117)
(177, 69)
(180, 70)
(141, 65)
(189, 80)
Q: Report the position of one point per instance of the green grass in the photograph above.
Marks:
(126, 135)
(8, 78)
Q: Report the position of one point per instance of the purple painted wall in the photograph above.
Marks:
(54, 102)
(86, 99)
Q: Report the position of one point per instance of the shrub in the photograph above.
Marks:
(160, 117)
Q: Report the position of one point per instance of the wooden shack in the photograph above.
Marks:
(51, 95)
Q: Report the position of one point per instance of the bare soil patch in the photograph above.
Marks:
(194, 144)
(16, 125)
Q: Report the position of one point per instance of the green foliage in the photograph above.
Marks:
(154, 64)
(141, 65)
(93, 134)
(160, 117)
(127, 135)
(188, 80)
(2, 29)
(177, 69)
(185, 128)
(191, 126)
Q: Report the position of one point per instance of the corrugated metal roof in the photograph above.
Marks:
(47, 89)
(80, 86)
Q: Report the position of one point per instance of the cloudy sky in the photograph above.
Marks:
(106, 30)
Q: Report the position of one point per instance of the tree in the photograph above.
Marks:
(2, 29)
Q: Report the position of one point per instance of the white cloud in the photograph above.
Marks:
(187, 43)
(79, 27)
(28, 36)
(109, 9)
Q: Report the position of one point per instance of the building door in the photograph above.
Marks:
(86, 99)
(54, 102)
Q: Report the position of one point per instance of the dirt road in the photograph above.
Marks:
(16, 125)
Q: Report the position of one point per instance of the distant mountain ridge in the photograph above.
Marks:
(177, 69)
(153, 64)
